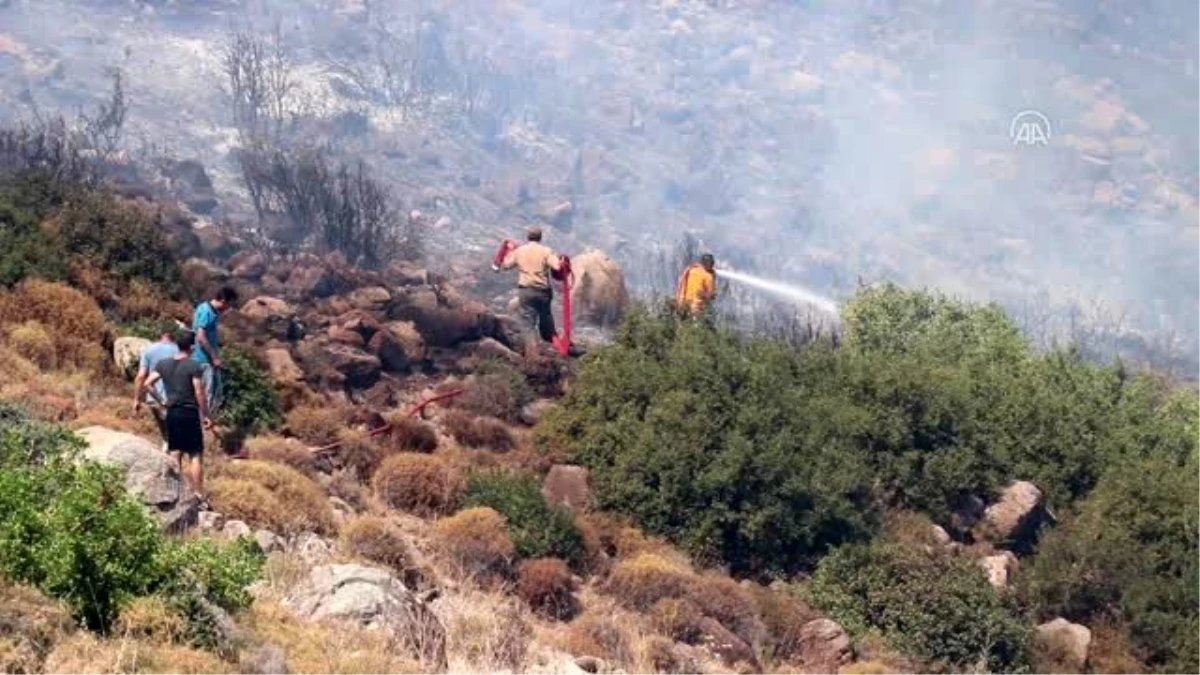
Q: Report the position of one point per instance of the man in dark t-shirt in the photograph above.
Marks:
(187, 410)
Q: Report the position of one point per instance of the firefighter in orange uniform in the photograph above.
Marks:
(697, 287)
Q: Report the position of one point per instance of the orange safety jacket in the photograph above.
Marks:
(697, 287)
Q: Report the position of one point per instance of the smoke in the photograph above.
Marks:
(790, 291)
(820, 141)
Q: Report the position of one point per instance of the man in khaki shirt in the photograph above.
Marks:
(534, 262)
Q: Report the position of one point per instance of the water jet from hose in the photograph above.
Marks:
(790, 291)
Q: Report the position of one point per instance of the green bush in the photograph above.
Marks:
(250, 401)
(120, 238)
(1130, 554)
(538, 530)
(925, 604)
(71, 530)
(25, 248)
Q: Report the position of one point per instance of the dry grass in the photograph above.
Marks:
(422, 484)
(280, 450)
(1111, 650)
(677, 618)
(271, 495)
(86, 653)
(32, 341)
(866, 668)
(345, 486)
(375, 539)
(485, 633)
(317, 424)
(358, 453)
(332, 647)
(782, 614)
(54, 396)
(547, 586)
(645, 579)
(30, 626)
(114, 412)
(494, 395)
(15, 366)
(476, 543)
(725, 600)
(150, 619)
(410, 435)
(478, 432)
(78, 322)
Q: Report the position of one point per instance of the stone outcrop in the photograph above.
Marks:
(149, 473)
(371, 597)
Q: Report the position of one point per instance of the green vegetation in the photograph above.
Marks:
(70, 529)
(766, 456)
(926, 604)
(250, 400)
(537, 529)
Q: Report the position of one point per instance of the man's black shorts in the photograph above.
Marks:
(184, 432)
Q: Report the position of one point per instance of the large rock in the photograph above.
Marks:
(273, 316)
(201, 276)
(824, 646)
(999, 568)
(567, 485)
(1067, 642)
(389, 349)
(599, 295)
(371, 298)
(282, 366)
(1014, 519)
(149, 473)
(725, 645)
(249, 265)
(371, 597)
(127, 351)
(329, 364)
(308, 282)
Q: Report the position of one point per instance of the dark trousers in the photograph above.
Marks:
(535, 311)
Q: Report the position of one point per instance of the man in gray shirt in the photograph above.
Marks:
(187, 410)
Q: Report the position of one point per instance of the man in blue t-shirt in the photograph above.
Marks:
(208, 341)
(165, 348)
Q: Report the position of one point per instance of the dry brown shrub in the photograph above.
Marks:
(677, 618)
(410, 435)
(77, 320)
(375, 539)
(422, 484)
(725, 600)
(139, 300)
(485, 633)
(597, 559)
(280, 450)
(1112, 650)
(645, 579)
(477, 541)
(358, 452)
(495, 395)
(150, 619)
(271, 495)
(317, 424)
(909, 527)
(86, 653)
(603, 636)
(30, 625)
(478, 432)
(664, 656)
(16, 367)
(866, 668)
(546, 585)
(345, 486)
(32, 340)
(783, 614)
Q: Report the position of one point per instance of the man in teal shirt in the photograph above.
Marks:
(208, 341)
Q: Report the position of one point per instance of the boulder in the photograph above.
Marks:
(371, 597)
(407, 334)
(824, 646)
(346, 336)
(249, 265)
(149, 472)
(202, 276)
(236, 528)
(567, 485)
(1014, 519)
(282, 366)
(308, 282)
(127, 351)
(730, 648)
(390, 352)
(361, 322)
(999, 568)
(371, 298)
(329, 363)
(1067, 642)
(273, 316)
(407, 274)
(312, 548)
(268, 541)
(599, 295)
(210, 521)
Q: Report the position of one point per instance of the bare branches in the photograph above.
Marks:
(102, 130)
(258, 79)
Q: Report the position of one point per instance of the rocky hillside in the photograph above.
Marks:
(822, 142)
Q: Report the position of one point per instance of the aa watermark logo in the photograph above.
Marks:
(1029, 127)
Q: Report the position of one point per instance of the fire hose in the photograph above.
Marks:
(562, 339)
(416, 411)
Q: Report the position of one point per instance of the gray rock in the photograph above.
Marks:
(1013, 520)
(824, 646)
(181, 517)
(311, 548)
(268, 541)
(567, 485)
(126, 353)
(236, 528)
(373, 597)
(999, 568)
(532, 414)
(210, 521)
(149, 472)
(1067, 641)
(267, 659)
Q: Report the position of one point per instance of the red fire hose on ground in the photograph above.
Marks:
(564, 275)
(416, 411)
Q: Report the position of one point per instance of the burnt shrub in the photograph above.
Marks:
(422, 484)
(546, 585)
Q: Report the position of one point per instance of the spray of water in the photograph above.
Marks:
(790, 291)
